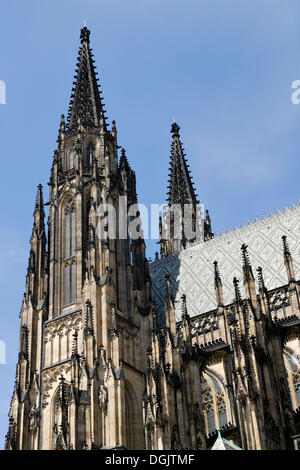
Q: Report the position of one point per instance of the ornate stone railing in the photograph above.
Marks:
(67, 175)
(280, 305)
(206, 330)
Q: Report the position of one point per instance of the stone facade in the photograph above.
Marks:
(117, 354)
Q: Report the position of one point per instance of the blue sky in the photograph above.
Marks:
(223, 68)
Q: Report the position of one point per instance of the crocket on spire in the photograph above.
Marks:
(85, 102)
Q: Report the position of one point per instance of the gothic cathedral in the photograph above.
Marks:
(119, 353)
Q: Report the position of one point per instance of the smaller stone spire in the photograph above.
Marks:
(23, 354)
(247, 269)
(288, 261)
(154, 318)
(123, 160)
(113, 329)
(169, 307)
(89, 323)
(261, 282)
(168, 292)
(237, 293)
(218, 285)
(208, 234)
(184, 312)
(75, 343)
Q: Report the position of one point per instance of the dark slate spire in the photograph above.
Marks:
(181, 189)
(85, 102)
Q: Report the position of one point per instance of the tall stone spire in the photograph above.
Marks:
(85, 103)
(181, 189)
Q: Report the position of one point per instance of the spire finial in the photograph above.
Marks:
(85, 35)
(175, 129)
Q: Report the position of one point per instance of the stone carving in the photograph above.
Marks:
(103, 397)
(33, 418)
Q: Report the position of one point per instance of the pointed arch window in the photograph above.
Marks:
(292, 366)
(69, 231)
(89, 154)
(69, 282)
(213, 403)
(69, 270)
(72, 158)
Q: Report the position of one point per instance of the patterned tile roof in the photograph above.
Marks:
(191, 271)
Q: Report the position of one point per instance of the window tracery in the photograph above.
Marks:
(213, 403)
(89, 154)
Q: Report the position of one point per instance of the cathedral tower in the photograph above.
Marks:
(86, 312)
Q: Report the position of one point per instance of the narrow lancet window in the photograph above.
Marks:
(69, 231)
(72, 282)
(67, 284)
(69, 236)
(72, 158)
(90, 154)
(72, 238)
